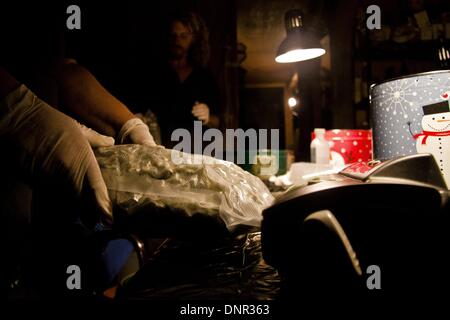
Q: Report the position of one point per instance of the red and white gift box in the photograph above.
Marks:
(349, 146)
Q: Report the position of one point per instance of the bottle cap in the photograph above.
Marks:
(319, 131)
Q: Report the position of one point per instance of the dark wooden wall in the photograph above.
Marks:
(340, 17)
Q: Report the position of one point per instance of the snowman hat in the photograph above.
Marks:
(439, 107)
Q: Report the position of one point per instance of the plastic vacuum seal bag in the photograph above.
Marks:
(193, 184)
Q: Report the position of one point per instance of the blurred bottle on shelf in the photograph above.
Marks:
(443, 52)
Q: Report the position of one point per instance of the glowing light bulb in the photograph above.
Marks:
(292, 102)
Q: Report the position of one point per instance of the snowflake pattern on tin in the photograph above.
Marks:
(396, 111)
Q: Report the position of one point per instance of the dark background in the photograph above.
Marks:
(121, 44)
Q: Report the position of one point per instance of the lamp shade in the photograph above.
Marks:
(299, 44)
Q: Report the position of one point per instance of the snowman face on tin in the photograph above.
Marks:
(436, 122)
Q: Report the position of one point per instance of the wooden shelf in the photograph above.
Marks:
(421, 50)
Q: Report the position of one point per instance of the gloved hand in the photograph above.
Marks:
(201, 111)
(136, 131)
(96, 139)
(47, 148)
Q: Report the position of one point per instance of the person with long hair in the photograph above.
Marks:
(188, 90)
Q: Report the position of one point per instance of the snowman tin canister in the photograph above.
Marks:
(411, 115)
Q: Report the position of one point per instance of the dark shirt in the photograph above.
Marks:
(172, 100)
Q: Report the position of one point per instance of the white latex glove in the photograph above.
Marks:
(96, 139)
(201, 111)
(137, 132)
(46, 147)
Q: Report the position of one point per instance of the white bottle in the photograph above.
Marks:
(320, 149)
